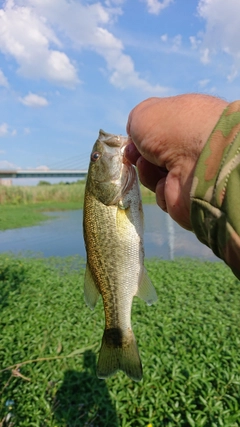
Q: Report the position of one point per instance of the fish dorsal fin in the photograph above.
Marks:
(91, 292)
(146, 290)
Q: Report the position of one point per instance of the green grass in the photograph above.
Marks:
(24, 206)
(189, 343)
(16, 195)
(51, 194)
(17, 216)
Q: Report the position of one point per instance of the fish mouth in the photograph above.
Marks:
(119, 141)
(128, 171)
(112, 140)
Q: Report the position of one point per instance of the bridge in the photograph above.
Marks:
(7, 173)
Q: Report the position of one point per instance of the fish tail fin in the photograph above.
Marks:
(119, 351)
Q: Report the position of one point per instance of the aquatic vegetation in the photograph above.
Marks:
(189, 343)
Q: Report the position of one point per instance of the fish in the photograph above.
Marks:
(113, 235)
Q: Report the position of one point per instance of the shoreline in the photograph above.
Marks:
(24, 206)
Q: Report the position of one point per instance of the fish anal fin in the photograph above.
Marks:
(91, 292)
(146, 290)
(119, 352)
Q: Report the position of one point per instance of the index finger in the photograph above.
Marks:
(131, 152)
(137, 109)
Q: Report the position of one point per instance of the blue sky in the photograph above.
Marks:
(71, 67)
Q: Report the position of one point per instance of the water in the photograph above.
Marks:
(61, 235)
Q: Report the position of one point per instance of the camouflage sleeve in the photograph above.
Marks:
(215, 193)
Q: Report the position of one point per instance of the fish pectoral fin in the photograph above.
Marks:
(91, 292)
(119, 352)
(146, 290)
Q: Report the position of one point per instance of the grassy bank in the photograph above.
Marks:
(17, 216)
(188, 341)
(24, 206)
(60, 193)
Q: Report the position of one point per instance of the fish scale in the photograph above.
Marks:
(113, 234)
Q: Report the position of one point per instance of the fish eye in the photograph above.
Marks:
(95, 156)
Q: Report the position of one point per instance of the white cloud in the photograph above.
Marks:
(113, 2)
(177, 42)
(222, 23)
(164, 37)
(38, 32)
(3, 79)
(125, 76)
(205, 55)
(25, 35)
(93, 35)
(42, 168)
(171, 45)
(121, 66)
(194, 42)
(204, 82)
(33, 100)
(221, 34)
(3, 129)
(59, 66)
(77, 21)
(233, 74)
(156, 6)
(5, 164)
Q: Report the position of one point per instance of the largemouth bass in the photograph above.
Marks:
(113, 234)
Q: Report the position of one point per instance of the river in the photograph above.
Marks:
(61, 235)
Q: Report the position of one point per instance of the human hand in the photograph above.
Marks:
(166, 137)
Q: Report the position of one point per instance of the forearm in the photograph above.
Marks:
(215, 192)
